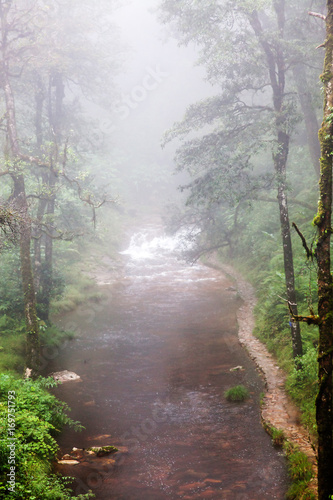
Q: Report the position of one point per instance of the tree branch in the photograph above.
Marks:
(309, 253)
(313, 319)
(296, 202)
(316, 14)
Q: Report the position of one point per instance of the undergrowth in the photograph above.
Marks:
(31, 418)
(13, 341)
(300, 472)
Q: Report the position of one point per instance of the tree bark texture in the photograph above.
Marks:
(280, 161)
(323, 222)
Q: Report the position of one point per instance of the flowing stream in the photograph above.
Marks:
(155, 357)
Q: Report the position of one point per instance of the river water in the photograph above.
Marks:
(155, 357)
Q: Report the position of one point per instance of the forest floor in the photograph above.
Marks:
(277, 409)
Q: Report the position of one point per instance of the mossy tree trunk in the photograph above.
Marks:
(325, 287)
(42, 202)
(280, 162)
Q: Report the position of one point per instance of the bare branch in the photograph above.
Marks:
(309, 253)
(316, 14)
(292, 200)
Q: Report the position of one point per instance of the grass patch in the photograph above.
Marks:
(238, 393)
(300, 472)
(277, 435)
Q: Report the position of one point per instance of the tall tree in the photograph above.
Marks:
(247, 53)
(42, 57)
(323, 221)
(9, 52)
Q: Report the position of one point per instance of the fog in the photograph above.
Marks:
(109, 127)
(158, 81)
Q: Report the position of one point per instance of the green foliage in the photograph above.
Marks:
(299, 466)
(278, 437)
(301, 472)
(237, 394)
(39, 416)
(12, 344)
(11, 296)
(13, 340)
(303, 385)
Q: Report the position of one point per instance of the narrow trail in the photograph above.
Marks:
(277, 408)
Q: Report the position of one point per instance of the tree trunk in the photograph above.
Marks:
(277, 74)
(325, 285)
(20, 200)
(310, 117)
(55, 112)
(280, 161)
(31, 320)
(47, 275)
(42, 202)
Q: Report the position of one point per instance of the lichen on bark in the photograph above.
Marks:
(324, 276)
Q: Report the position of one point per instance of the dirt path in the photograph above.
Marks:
(277, 409)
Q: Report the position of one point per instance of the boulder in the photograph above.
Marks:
(65, 376)
(101, 451)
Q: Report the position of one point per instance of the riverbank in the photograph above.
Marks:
(277, 410)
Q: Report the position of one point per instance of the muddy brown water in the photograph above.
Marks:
(155, 358)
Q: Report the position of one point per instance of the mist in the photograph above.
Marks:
(159, 80)
(163, 254)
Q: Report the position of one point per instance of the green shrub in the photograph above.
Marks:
(299, 467)
(38, 417)
(11, 296)
(300, 472)
(302, 385)
(13, 342)
(237, 393)
(278, 437)
(300, 491)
